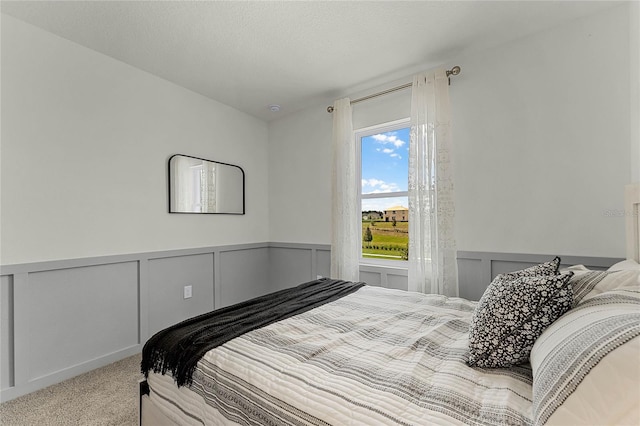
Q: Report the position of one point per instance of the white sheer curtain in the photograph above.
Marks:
(432, 249)
(345, 233)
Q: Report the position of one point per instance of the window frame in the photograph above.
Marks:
(358, 135)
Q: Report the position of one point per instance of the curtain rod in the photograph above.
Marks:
(453, 71)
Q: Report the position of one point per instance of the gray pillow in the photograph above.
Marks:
(512, 313)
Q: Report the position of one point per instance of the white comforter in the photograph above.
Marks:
(377, 356)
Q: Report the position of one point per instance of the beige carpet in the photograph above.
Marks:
(106, 396)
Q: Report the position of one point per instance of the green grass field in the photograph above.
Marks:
(389, 242)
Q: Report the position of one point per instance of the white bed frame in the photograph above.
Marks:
(632, 216)
(153, 417)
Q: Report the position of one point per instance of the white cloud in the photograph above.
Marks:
(389, 139)
(395, 154)
(376, 186)
(387, 151)
(372, 182)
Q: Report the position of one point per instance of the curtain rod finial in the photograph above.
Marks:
(330, 109)
(453, 71)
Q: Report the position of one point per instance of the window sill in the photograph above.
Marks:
(372, 264)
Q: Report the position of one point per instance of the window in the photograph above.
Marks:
(384, 176)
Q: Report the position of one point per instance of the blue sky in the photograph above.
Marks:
(385, 167)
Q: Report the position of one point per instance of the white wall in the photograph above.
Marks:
(542, 131)
(300, 178)
(542, 135)
(85, 144)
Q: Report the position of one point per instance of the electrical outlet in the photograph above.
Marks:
(188, 291)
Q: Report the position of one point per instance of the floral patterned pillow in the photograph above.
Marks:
(512, 313)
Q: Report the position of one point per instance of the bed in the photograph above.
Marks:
(369, 356)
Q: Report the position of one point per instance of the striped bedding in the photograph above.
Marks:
(376, 356)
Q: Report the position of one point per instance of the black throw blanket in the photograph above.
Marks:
(178, 349)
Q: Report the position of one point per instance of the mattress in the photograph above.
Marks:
(376, 356)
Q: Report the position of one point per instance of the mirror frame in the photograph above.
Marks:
(169, 181)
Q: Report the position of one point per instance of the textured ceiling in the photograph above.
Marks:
(249, 54)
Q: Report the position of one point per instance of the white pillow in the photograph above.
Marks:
(608, 395)
(625, 265)
(585, 365)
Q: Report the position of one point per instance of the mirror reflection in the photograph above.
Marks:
(197, 185)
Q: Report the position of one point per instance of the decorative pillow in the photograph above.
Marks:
(512, 313)
(625, 265)
(585, 365)
(587, 283)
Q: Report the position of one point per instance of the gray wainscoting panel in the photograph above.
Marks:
(289, 267)
(6, 331)
(323, 263)
(470, 279)
(504, 266)
(63, 318)
(167, 279)
(371, 278)
(398, 282)
(384, 276)
(477, 269)
(83, 314)
(244, 274)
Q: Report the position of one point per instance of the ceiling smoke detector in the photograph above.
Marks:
(274, 108)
